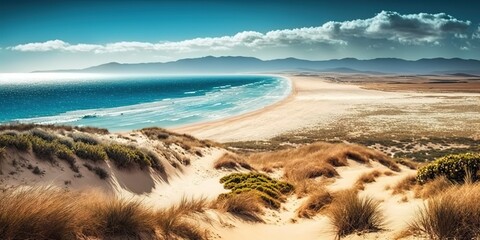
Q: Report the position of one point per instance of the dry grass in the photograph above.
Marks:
(432, 187)
(318, 159)
(367, 178)
(175, 222)
(349, 213)
(185, 141)
(315, 203)
(231, 161)
(406, 184)
(246, 205)
(452, 214)
(408, 163)
(52, 213)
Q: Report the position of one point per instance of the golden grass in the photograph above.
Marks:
(175, 221)
(367, 178)
(349, 213)
(432, 187)
(246, 205)
(452, 214)
(231, 161)
(318, 159)
(185, 141)
(315, 203)
(52, 213)
(405, 184)
(30, 126)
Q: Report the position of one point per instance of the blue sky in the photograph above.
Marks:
(39, 35)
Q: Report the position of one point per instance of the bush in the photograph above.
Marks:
(42, 148)
(84, 138)
(127, 156)
(2, 158)
(92, 152)
(267, 189)
(350, 213)
(454, 167)
(37, 132)
(20, 141)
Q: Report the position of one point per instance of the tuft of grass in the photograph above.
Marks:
(94, 153)
(315, 203)
(272, 192)
(52, 213)
(367, 178)
(433, 187)
(39, 213)
(349, 214)
(406, 184)
(452, 214)
(26, 127)
(121, 218)
(231, 161)
(246, 205)
(174, 221)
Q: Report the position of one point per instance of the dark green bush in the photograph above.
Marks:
(90, 152)
(43, 148)
(20, 141)
(271, 191)
(454, 167)
(101, 173)
(127, 156)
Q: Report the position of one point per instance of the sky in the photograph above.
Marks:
(52, 34)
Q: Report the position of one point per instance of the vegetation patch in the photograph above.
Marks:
(126, 156)
(245, 205)
(315, 203)
(101, 173)
(350, 213)
(231, 161)
(272, 192)
(454, 167)
(94, 153)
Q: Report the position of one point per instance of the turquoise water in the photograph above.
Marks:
(121, 103)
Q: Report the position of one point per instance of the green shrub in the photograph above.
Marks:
(84, 138)
(270, 191)
(37, 132)
(126, 156)
(43, 148)
(20, 141)
(454, 167)
(91, 152)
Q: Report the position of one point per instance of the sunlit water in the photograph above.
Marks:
(121, 103)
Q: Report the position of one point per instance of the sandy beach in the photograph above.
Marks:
(316, 102)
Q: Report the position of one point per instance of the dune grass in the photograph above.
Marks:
(231, 161)
(318, 159)
(26, 127)
(452, 214)
(404, 185)
(315, 203)
(185, 141)
(350, 213)
(52, 213)
(367, 178)
(246, 206)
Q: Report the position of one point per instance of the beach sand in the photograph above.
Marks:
(316, 102)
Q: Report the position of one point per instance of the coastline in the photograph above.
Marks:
(201, 125)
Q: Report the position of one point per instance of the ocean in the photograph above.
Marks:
(122, 103)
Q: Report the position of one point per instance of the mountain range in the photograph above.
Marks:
(234, 64)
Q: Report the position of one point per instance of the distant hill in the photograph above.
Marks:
(249, 64)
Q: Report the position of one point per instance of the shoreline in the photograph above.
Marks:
(197, 126)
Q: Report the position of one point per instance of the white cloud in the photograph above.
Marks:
(422, 28)
(476, 34)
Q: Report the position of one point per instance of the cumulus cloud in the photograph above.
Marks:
(421, 28)
(476, 34)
